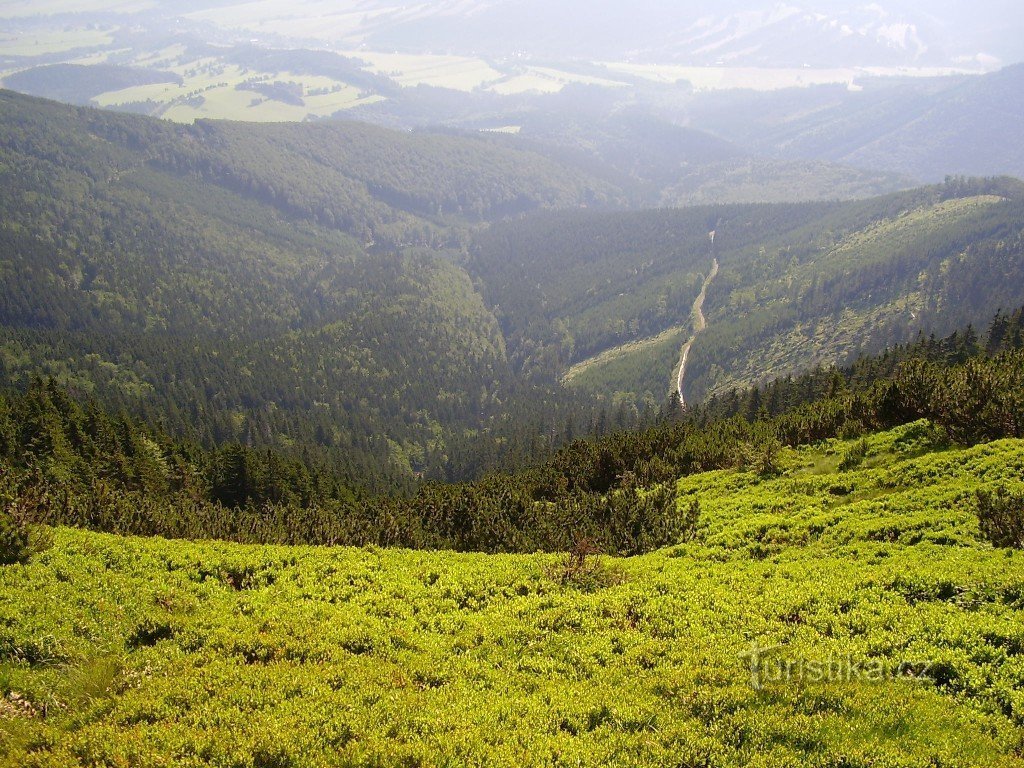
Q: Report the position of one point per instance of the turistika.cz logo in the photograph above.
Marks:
(770, 665)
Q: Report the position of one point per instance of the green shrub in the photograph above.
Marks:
(761, 456)
(582, 568)
(14, 539)
(854, 457)
(1001, 518)
(19, 538)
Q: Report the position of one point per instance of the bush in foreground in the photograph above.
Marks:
(1001, 518)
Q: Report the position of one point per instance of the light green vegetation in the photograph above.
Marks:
(461, 73)
(625, 350)
(210, 90)
(152, 652)
(466, 73)
(909, 226)
(46, 41)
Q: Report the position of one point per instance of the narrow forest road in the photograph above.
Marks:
(699, 324)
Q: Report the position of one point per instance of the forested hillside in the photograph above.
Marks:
(927, 130)
(398, 305)
(665, 163)
(871, 276)
(799, 284)
(218, 281)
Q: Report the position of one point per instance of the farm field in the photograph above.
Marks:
(460, 73)
(821, 617)
(219, 97)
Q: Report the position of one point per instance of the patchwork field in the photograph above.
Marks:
(211, 91)
(823, 617)
(459, 73)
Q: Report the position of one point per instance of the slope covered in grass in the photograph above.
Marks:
(143, 652)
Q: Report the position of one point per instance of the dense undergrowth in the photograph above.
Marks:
(126, 651)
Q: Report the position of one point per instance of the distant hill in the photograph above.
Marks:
(924, 129)
(822, 33)
(404, 304)
(79, 83)
(666, 164)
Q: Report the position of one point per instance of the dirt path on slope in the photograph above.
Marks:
(699, 324)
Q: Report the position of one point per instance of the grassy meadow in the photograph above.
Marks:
(844, 613)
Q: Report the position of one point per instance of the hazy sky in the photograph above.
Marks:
(762, 32)
(726, 32)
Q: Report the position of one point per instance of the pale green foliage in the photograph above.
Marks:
(274, 656)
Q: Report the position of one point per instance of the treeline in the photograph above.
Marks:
(1005, 333)
(71, 464)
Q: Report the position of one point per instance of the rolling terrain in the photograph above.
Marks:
(389, 299)
(607, 392)
(928, 130)
(880, 97)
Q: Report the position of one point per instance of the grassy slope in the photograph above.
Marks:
(148, 652)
